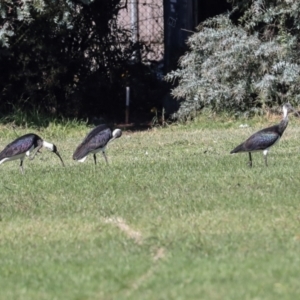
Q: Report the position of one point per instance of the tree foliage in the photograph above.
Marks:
(242, 65)
(66, 57)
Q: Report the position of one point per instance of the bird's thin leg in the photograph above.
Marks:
(95, 160)
(103, 152)
(250, 160)
(21, 166)
(37, 150)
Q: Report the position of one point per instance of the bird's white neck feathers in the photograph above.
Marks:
(116, 133)
(285, 111)
(48, 145)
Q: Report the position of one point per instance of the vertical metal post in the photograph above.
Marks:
(127, 104)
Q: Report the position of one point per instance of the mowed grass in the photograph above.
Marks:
(173, 216)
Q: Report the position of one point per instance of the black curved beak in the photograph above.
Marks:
(56, 152)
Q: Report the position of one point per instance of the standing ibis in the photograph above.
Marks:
(265, 138)
(96, 141)
(24, 145)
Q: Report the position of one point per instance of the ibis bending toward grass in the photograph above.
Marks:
(24, 145)
(265, 138)
(96, 141)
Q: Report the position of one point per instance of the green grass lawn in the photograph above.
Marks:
(173, 216)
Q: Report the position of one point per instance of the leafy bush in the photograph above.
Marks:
(244, 66)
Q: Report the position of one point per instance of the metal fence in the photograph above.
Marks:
(145, 20)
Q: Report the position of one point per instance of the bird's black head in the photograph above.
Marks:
(54, 149)
(288, 106)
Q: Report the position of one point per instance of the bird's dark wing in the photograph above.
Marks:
(97, 138)
(260, 140)
(19, 146)
(95, 132)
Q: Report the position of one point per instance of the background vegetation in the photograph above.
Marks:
(69, 58)
(241, 62)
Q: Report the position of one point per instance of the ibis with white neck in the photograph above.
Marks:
(265, 138)
(96, 141)
(23, 146)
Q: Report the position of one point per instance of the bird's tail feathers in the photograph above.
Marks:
(80, 152)
(82, 159)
